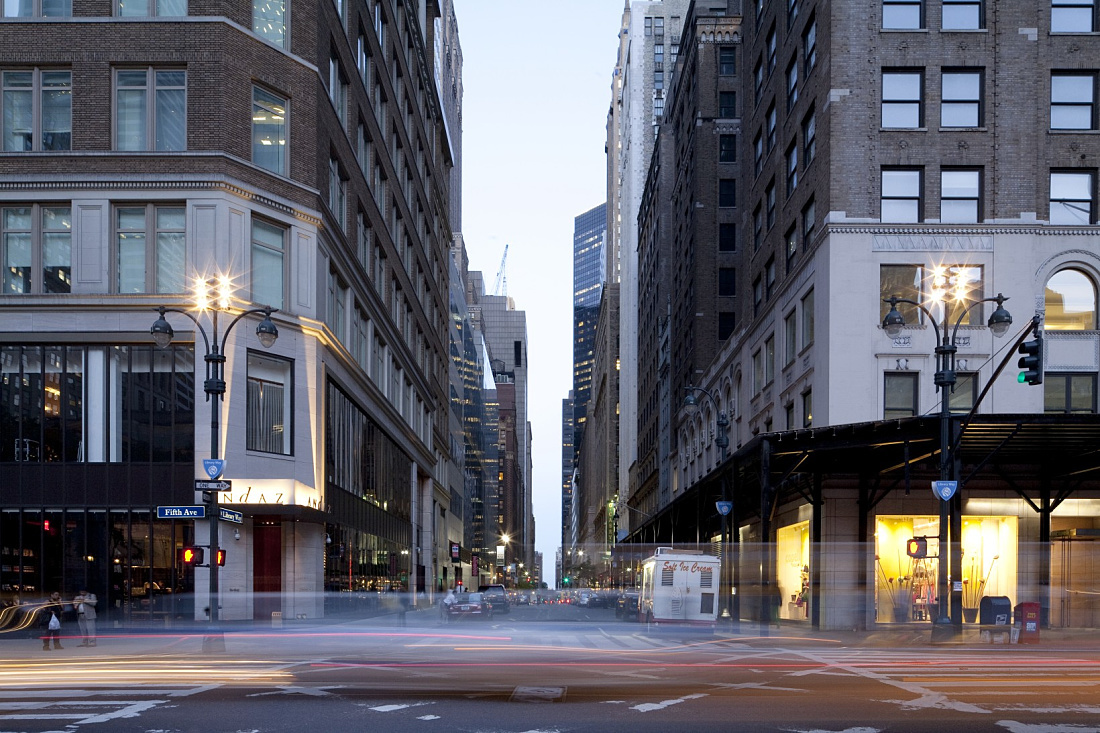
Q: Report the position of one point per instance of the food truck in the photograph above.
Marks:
(679, 587)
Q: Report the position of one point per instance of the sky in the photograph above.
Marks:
(537, 88)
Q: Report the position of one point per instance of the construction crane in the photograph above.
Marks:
(501, 288)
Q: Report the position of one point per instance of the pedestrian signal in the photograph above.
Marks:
(917, 547)
(221, 557)
(191, 555)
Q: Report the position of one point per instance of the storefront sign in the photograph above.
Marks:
(287, 492)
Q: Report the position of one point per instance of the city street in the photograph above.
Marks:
(548, 668)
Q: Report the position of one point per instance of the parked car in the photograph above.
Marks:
(626, 607)
(497, 597)
(468, 605)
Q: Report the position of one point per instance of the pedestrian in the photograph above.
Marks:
(51, 619)
(85, 603)
(448, 601)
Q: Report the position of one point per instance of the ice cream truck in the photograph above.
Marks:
(679, 587)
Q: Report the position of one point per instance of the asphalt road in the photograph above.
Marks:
(546, 670)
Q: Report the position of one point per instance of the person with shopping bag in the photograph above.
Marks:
(50, 614)
(85, 603)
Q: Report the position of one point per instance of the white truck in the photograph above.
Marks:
(679, 587)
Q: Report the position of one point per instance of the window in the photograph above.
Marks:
(727, 282)
(809, 137)
(757, 227)
(901, 196)
(37, 110)
(649, 26)
(659, 79)
(757, 295)
(757, 372)
(790, 338)
(962, 98)
(960, 196)
(659, 27)
(1073, 101)
(727, 237)
(268, 256)
(37, 8)
(791, 239)
(1072, 16)
(902, 93)
(1072, 197)
(769, 274)
(769, 359)
(808, 409)
(1070, 297)
(1072, 393)
(727, 192)
(268, 425)
(758, 152)
(902, 281)
(726, 323)
(919, 283)
(659, 55)
(792, 83)
(809, 45)
(808, 319)
(727, 148)
(901, 14)
(961, 15)
(269, 130)
(150, 109)
(792, 167)
(758, 80)
(769, 199)
(365, 241)
(37, 249)
(362, 62)
(150, 249)
(337, 193)
(771, 121)
(727, 104)
(965, 393)
(727, 60)
(269, 20)
(337, 305)
(338, 89)
(809, 221)
(899, 395)
(771, 50)
(149, 8)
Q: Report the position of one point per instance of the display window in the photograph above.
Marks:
(792, 570)
(906, 574)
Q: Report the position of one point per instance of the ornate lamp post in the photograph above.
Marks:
(214, 385)
(950, 553)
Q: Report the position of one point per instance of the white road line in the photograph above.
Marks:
(649, 707)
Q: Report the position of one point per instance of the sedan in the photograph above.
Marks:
(468, 605)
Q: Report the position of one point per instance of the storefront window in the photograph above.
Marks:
(792, 571)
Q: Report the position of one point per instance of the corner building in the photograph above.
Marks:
(297, 148)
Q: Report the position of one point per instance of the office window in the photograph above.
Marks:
(150, 109)
(659, 27)
(1072, 197)
(757, 295)
(771, 121)
(902, 281)
(269, 131)
(809, 45)
(649, 26)
(792, 167)
(727, 192)
(161, 8)
(269, 413)
(758, 152)
(338, 89)
(808, 319)
(727, 237)
(769, 359)
(37, 249)
(962, 98)
(791, 240)
(901, 14)
(757, 227)
(962, 15)
(902, 95)
(727, 148)
(772, 47)
(659, 79)
(37, 110)
(809, 221)
(1070, 297)
(337, 305)
(659, 54)
(792, 83)
(757, 371)
(899, 395)
(769, 199)
(1073, 16)
(960, 196)
(150, 249)
(769, 274)
(1069, 393)
(809, 137)
(269, 20)
(790, 338)
(268, 258)
(923, 284)
(337, 193)
(726, 322)
(1073, 100)
(36, 8)
(366, 241)
(727, 60)
(901, 195)
(727, 282)
(965, 394)
(788, 411)
(808, 409)
(727, 104)
(758, 80)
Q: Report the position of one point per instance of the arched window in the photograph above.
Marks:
(1070, 302)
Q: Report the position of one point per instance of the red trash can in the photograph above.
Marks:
(1026, 617)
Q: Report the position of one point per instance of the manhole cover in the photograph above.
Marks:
(538, 694)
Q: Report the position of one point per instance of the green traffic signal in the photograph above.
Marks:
(1032, 360)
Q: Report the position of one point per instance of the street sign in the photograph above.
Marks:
(230, 516)
(213, 467)
(944, 490)
(724, 507)
(223, 485)
(181, 512)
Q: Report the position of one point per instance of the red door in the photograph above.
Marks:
(267, 568)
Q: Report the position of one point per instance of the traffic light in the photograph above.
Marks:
(221, 557)
(1032, 360)
(191, 555)
(917, 547)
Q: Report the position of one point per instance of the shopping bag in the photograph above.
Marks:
(55, 625)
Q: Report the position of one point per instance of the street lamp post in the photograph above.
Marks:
(214, 385)
(728, 584)
(946, 348)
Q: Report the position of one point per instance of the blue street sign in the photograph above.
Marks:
(231, 516)
(724, 507)
(181, 512)
(213, 466)
(944, 490)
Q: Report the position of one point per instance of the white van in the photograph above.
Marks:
(679, 587)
